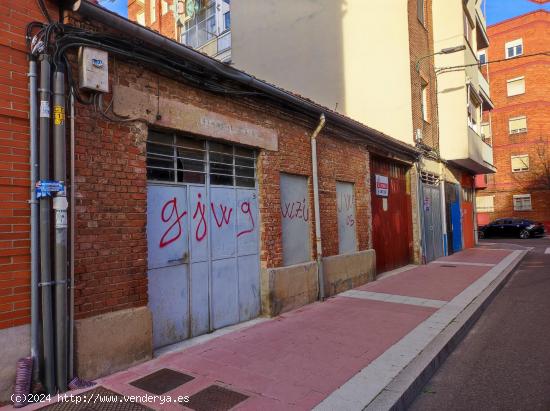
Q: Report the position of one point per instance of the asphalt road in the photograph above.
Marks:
(504, 361)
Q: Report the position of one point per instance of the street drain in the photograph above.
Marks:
(215, 398)
(162, 381)
(448, 265)
(98, 399)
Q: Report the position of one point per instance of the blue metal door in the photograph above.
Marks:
(168, 257)
(203, 236)
(456, 225)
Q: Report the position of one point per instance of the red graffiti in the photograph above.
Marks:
(245, 208)
(296, 210)
(200, 209)
(171, 207)
(225, 219)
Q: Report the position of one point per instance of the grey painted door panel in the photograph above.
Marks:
(296, 216)
(432, 222)
(345, 200)
(225, 297)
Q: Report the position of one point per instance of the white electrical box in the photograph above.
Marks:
(93, 69)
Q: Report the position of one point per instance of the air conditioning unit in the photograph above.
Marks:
(418, 135)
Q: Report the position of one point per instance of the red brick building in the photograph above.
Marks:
(519, 126)
(189, 170)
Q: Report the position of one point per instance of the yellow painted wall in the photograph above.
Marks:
(348, 55)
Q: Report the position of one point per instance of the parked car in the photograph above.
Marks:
(511, 227)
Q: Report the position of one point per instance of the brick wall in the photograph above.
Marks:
(533, 28)
(420, 45)
(165, 24)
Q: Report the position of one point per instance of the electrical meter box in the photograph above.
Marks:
(93, 69)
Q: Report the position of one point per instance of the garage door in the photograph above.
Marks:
(202, 234)
(391, 214)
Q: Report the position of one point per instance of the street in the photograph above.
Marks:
(503, 363)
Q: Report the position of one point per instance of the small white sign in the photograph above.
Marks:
(382, 185)
(44, 109)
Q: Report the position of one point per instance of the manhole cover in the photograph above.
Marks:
(162, 381)
(215, 398)
(98, 399)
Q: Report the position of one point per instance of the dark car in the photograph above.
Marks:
(511, 227)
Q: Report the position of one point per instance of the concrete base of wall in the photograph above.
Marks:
(112, 342)
(15, 343)
(346, 271)
(286, 288)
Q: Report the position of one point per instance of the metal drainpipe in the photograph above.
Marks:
(60, 207)
(72, 231)
(45, 209)
(35, 239)
(320, 274)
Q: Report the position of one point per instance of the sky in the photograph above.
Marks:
(499, 10)
(496, 10)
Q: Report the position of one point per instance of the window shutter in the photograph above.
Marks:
(516, 86)
(485, 204)
(517, 125)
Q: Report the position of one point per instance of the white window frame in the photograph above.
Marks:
(518, 130)
(164, 7)
(524, 159)
(153, 10)
(520, 204)
(508, 82)
(514, 44)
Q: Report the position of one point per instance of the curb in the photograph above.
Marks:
(406, 386)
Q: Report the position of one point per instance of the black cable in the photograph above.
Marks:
(44, 10)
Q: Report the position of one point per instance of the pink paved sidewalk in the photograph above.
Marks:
(297, 359)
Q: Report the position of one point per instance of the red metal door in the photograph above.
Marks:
(391, 216)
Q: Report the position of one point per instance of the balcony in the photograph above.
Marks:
(218, 46)
(479, 156)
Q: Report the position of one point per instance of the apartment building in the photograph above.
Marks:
(204, 25)
(463, 95)
(519, 126)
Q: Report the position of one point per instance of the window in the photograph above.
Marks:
(485, 204)
(140, 17)
(164, 7)
(424, 102)
(420, 10)
(517, 125)
(522, 202)
(482, 57)
(182, 159)
(515, 86)
(514, 48)
(485, 130)
(201, 28)
(473, 114)
(227, 21)
(467, 29)
(153, 8)
(520, 163)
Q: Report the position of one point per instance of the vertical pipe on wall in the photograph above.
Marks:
(45, 209)
(35, 239)
(72, 231)
(320, 274)
(60, 207)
